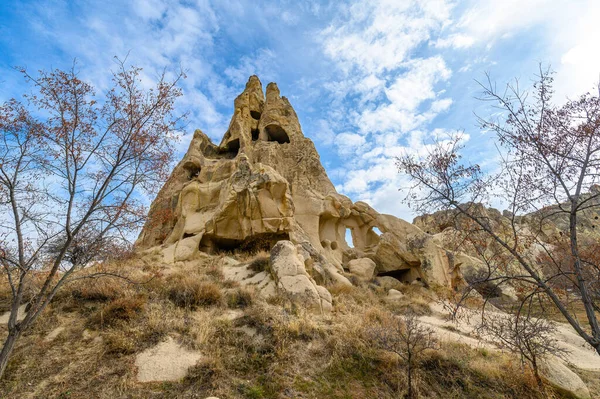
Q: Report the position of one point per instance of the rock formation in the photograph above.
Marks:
(264, 183)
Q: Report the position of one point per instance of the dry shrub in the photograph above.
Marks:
(260, 264)
(240, 298)
(100, 289)
(189, 292)
(120, 309)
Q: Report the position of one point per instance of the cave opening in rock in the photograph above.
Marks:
(193, 171)
(276, 133)
(255, 115)
(231, 150)
(212, 244)
(404, 275)
(254, 134)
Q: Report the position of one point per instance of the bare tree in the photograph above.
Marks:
(548, 171)
(532, 339)
(408, 338)
(73, 169)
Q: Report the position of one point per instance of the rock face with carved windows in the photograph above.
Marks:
(264, 183)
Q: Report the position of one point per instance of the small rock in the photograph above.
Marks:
(54, 333)
(394, 295)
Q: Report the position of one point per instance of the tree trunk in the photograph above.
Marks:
(7, 350)
(410, 387)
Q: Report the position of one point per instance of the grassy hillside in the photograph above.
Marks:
(86, 343)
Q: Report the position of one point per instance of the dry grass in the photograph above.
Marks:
(186, 291)
(119, 310)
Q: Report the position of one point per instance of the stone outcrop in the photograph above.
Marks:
(264, 183)
(563, 379)
(290, 274)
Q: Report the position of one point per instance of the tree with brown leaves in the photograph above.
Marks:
(548, 174)
(409, 339)
(74, 166)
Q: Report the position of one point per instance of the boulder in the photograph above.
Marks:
(363, 268)
(387, 282)
(562, 378)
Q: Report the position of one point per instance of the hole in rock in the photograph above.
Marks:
(348, 237)
(276, 133)
(231, 150)
(255, 115)
(192, 170)
(596, 217)
(334, 245)
(376, 230)
(260, 242)
(187, 235)
(254, 134)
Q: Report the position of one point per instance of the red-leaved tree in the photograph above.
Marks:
(74, 167)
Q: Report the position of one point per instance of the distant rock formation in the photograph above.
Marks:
(264, 183)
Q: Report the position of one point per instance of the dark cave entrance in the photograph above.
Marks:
(212, 244)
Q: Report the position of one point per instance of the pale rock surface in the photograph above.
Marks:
(167, 361)
(463, 330)
(363, 268)
(561, 377)
(394, 295)
(293, 280)
(54, 333)
(20, 315)
(387, 282)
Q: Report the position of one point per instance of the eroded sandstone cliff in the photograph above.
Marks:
(264, 183)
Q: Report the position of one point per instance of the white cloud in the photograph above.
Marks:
(377, 36)
(456, 40)
(405, 95)
(350, 143)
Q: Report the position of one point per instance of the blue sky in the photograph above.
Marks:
(368, 79)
